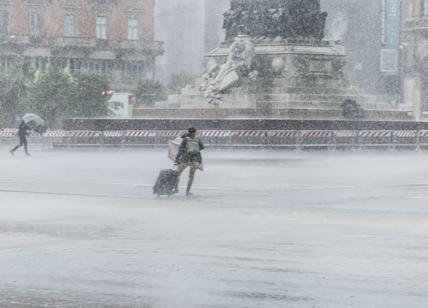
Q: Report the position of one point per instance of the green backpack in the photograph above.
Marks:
(192, 146)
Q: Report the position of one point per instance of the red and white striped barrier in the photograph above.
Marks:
(54, 134)
(423, 133)
(171, 133)
(113, 134)
(140, 133)
(284, 133)
(374, 134)
(7, 133)
(316, 134)
(319, 137)
(345, 133)
(83, 134)
(250, 133)
(214, 133)
(406, 134)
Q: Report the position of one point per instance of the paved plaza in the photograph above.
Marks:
(264, 229)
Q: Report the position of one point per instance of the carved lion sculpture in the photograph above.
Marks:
(239, 64)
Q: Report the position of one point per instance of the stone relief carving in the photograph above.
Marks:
(239, 65)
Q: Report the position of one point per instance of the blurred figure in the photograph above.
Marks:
(189, 155)
(22, 134)
(352, 110)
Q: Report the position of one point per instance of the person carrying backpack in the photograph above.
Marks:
(189, 155)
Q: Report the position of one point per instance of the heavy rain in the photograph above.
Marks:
(201, 153)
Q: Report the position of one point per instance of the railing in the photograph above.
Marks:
(75, 41)
(292, 139)
(87, 42)
(16, 39)
(139, 44)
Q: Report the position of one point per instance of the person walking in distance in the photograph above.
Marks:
(189, 156)
(22, 134)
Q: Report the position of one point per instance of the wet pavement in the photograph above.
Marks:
(264, 229)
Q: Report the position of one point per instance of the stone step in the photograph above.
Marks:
(327, 104)
(284, 113)
(373, 103)
(314, 90)
(328, 97)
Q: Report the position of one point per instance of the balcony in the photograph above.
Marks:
(94, 43)
(15, 39)
(83, 42)
(59, 44)
(154, 46)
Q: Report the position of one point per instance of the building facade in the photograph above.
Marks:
(189, 28)
(415, 56)
(113, 38)
(360, 24)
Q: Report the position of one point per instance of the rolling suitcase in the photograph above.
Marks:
(166, 182)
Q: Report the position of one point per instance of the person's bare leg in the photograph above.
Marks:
(190, 182)
(180, 169)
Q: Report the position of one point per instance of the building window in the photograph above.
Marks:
(36, 23)
(133, 28)
(4, 21)
(39, 63)
(409, 8)
(132, 72)
(417, 8)
(102, 68)
(74, 66)
(101, 27)
(3, 63)
(70, 25)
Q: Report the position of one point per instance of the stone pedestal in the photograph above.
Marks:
(290, 76)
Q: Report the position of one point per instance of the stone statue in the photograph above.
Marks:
(239, 65)
(298, 19)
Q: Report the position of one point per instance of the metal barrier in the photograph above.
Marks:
(245, 138)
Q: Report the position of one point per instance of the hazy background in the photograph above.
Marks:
(190, 28)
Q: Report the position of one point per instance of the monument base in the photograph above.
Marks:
(296, 80)
(259, 113)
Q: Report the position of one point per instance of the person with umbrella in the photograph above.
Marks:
(29, 122)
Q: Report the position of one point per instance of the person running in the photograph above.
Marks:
(189, 155)
(22, 134)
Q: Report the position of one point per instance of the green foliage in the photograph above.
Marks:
(14, 84)
(56, 94)
(150, 91)
(92, 97)
(52, 95)
(179, 81)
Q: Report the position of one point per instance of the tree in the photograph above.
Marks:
(92, 97)
(179, 81)
(14, 84)
(52, 95)
(150, 91)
